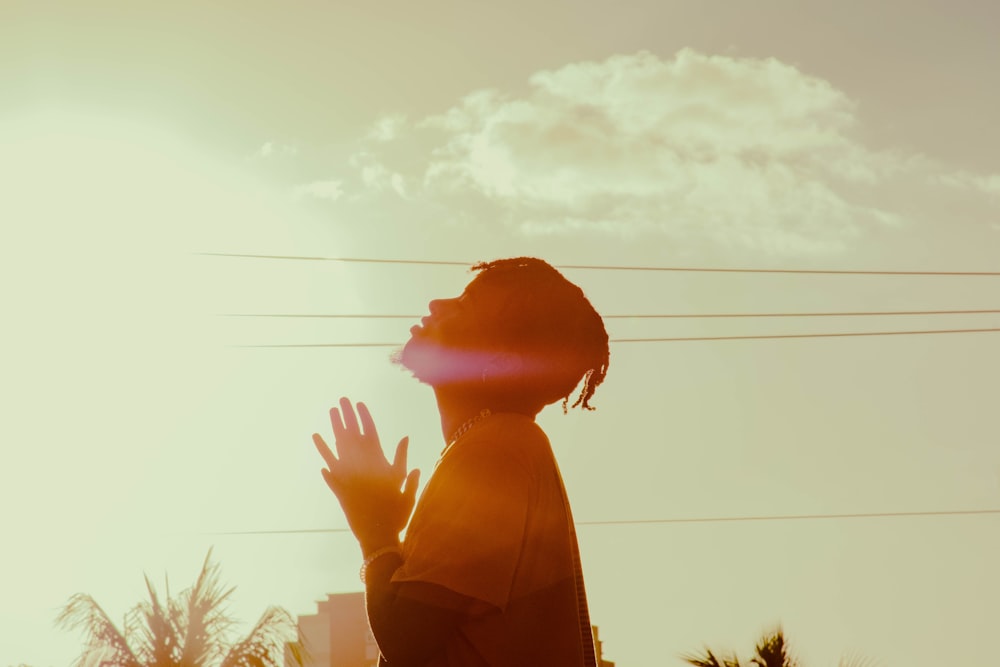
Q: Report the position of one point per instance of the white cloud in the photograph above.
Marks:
(737, 151)
(330, 190)
(375, 176)
(745, 152)
(272, 149)
(387, 128)
(988, 184)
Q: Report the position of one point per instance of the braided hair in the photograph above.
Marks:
(552, 324)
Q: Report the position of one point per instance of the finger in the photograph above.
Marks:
(366, 421)
(410, 488)
(347, 410)
(399, 460)
(324, 450)
(330, 480)
(337, 423)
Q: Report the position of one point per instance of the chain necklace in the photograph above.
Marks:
(464, 428)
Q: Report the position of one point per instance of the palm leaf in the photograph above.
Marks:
(772, 651)
(83, 613)
(154, 631)
(190, 630)
(201, 613)
(264, 646)
(857, 661)
(710, 660)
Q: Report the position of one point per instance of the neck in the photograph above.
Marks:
(458, 405)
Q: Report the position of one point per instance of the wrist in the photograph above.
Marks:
(372, 543)
(376, 558)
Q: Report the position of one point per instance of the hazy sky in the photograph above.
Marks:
(803, 135)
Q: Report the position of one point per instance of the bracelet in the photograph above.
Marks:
(378, 553)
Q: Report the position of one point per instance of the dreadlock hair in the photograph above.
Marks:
(552, 324)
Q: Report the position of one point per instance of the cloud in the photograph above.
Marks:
(272, 149)
(744, 152)
(330, 190)
(376, 177)
(387, 128)
(987, 184)
(739, 152)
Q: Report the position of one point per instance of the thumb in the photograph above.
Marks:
(399, 460)
(410, 487)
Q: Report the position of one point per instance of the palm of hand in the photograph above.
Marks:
(376, 496)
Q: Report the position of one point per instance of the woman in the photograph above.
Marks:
(489, 571)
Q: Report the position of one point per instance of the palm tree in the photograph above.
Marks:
(709, 660)
(189, 630)
(771, 651)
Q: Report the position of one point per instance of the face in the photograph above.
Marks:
(447, 346)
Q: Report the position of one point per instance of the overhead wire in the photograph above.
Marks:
(646, 316)
(679, 520)
(368, 316)
(676, 339)
(847, 334)
(604, 267)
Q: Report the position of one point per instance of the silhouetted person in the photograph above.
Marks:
(489, 572)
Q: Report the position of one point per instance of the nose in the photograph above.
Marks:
(438, 306)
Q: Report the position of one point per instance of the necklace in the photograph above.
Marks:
(464, 428)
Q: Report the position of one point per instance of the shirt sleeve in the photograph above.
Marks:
(469, 527)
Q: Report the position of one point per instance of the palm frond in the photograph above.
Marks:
(709, 659)
(158, 635)
(772, 650)
(83, 613)
(264, 646)
(190, 630)
(857, 661)
(201, 612)
(296, 653)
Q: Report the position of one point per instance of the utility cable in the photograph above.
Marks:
(641, 316)
(601, 267)
(678, 339)
(711, 519)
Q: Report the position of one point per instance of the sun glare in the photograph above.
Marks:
(109, 338)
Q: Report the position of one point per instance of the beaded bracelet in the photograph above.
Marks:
(378, 553)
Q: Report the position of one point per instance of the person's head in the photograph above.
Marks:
(521, 336)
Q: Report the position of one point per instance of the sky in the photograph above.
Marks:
(141, 430)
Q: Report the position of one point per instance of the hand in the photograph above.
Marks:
(376, 497)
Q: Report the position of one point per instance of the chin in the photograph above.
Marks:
(437, 365)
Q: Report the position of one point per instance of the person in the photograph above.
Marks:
(489, 570)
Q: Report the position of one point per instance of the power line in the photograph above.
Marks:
(357, 260)
(793, 517)
(676, 339)
(326, 316)
(713, 519)
(292, 345)
(599, 267)
(816, 335)
(642, 316)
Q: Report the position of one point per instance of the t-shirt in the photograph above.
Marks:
(493, 524)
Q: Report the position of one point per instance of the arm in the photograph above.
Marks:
(411, 621)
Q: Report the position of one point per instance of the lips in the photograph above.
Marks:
(420, 328)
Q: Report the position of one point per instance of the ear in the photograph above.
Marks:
(504, 366)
